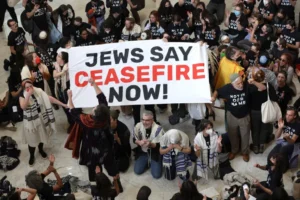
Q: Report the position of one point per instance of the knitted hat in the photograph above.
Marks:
(234, 76)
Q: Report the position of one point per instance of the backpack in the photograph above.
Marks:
(26, 23)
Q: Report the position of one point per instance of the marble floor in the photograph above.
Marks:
(161, 189)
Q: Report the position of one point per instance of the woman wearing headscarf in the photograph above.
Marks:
(38, 118)
(175, 147)
(207, 144)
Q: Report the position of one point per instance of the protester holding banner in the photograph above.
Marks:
(62, 82)
(147, 135)
(97, 140)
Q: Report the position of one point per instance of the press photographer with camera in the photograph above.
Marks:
(37, 10)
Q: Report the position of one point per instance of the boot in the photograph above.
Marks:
(31, 158)
(41, 150)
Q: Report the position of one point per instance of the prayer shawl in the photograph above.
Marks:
(202, 163)
(33, 119)
(62, 80)
(182, 160)
(139, 133)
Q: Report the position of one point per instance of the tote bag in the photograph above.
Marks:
(270, 111)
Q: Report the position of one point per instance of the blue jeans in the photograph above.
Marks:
(141, 165)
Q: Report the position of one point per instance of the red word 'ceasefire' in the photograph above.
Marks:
(142, 74)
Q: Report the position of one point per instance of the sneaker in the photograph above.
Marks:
(187, 117)
(31, 161)
(261, 148)
(246, 157)
(6, 65)
(163, 110)
(231, 156)
(43, 154)
(56, 107)
(255, 149)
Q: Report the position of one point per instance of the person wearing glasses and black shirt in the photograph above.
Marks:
(289, 127)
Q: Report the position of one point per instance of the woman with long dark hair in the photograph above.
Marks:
(165, 12)
(189, 191)
(275, 172)
(104, 189)
(196, 21)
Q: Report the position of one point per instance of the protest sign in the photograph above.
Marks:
(139, 73)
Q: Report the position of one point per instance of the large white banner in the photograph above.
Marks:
(139, 73)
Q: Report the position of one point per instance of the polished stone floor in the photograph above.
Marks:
(161, 189)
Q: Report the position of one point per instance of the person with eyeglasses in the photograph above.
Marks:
(289, 129)
(147, 135)
(285, 64)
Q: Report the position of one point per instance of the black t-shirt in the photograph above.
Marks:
(251, 57)
(166, 17)
(270, 9)
(52, 51)
(291, 129)
(46, 193)
(217, 1)
(66, 21)
(279, 23)
(16, 38)
(45, 57)
(274, 178)
(277, 53)
(98, 11)
(177, 31)
(39, 17)
(156, 30)
(197, 28)
(114, 4)
(14, 86)
(291, 37)
(264, 40)
(181, 11)
(208, 36)
(257, 98)
(249, 6)
(82, 42)
(233, 29)
(284, 94)
(236, 100)
(118, 23)
(107, 37)
(39, 79)
(288, 8)
(76, 29)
